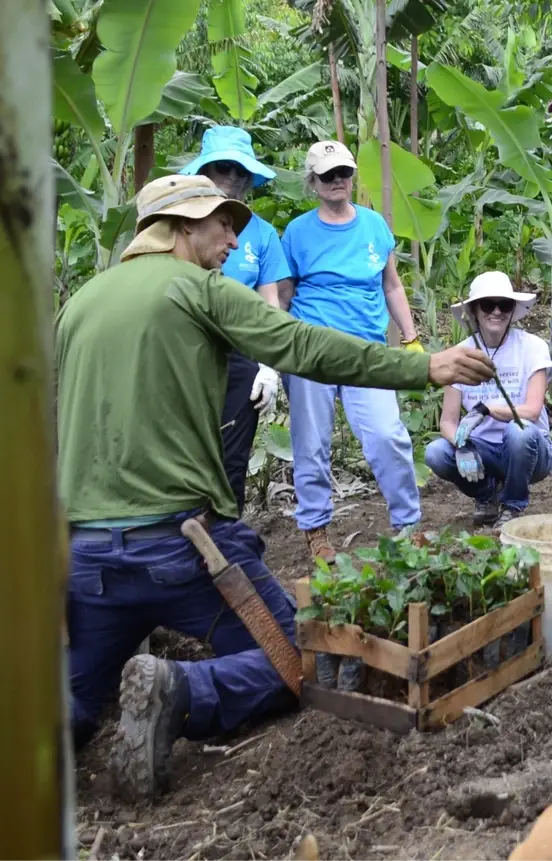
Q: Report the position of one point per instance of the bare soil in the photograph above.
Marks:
(364, 792)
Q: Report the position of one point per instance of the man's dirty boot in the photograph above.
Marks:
(154, 700)
(320, 545)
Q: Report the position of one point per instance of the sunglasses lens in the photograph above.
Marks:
(336, 173)
(226, 167)
(505, 306)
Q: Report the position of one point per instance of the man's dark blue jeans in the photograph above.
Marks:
(120, 590)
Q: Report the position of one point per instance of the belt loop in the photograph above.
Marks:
(117, 540)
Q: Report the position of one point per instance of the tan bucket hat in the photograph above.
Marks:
(493, 285)
(187, 196)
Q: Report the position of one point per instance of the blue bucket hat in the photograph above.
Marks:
(227, 143)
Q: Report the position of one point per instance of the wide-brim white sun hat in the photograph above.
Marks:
(493, 285)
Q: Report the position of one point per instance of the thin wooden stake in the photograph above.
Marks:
(336, 96)
(536, 622)
(418, 639)
(308, 658)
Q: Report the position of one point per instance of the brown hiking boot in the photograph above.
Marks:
(320, 545)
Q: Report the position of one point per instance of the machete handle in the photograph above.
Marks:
(204, 544)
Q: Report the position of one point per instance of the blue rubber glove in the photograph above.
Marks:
(469, 464)
(468, 424)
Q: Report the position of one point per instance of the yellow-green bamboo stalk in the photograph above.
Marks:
(31, 760)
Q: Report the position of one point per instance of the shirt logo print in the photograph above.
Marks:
(373, 256)
(250, 255)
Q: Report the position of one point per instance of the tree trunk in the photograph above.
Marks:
(143, 154)
(336, 96)
(34, 818)
(384, 136)
(415, 245)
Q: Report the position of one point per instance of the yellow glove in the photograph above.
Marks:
(414, 346)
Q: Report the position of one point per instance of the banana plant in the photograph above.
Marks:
(37, 806)
(137, 59)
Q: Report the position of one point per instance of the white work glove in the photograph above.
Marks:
(265, 387)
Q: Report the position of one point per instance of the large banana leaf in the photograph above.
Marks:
(450, 196)
(413, 17)
(402, 60)
(499, 195)
(303, 81)
(68, 190)
(119, 220)
(183, 92)
(233, 80)
(413, 217)
(75, 97)
(514, 130)
(140, 38)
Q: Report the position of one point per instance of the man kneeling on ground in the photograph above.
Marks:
(141, 355)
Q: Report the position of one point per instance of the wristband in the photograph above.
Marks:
(482, 409)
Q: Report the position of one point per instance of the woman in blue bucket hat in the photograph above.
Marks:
(228, 159)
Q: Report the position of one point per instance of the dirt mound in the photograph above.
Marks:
(363, 792)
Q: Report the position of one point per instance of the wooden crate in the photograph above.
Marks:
(419, 662)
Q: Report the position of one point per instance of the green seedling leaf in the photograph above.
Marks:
(368, 554)
(397, 598)
(339, 616)
(322, 565)
(528, 556)
(439, 610)
(509, 557)
(306, 614)
(481, 542)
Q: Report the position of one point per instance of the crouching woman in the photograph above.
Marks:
(486, 454)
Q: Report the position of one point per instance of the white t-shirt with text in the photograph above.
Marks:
(516, 360)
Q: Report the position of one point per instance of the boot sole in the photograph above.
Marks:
(138, 758)
(485, 520)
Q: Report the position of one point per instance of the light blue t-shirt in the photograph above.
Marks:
(339, 272)
(259, 258)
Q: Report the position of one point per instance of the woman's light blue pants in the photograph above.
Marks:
(373, 415)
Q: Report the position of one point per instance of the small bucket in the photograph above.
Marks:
(536, 531)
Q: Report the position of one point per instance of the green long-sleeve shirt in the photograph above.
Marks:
(141, 353)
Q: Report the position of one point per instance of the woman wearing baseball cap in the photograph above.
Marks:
(227, 158)
(344, 277)
(485, 453)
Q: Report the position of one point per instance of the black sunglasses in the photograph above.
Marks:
(505, 306)
(336, 173)
(226, 167)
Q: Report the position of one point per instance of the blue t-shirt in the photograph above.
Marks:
(339, 272)
(259, 258)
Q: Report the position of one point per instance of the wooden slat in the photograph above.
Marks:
(352, 640)
(451, 706)
(536, 623)
(304, 599)
(473, 636)
(373, 711)
(418, 639)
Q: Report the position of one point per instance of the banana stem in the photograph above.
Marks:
(500, 387)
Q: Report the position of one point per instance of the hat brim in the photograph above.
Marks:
(335, 161)
(201, 207)
(261, 173)
(524, 303)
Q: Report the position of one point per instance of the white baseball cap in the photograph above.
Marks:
(493, 285)
(325, 155)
